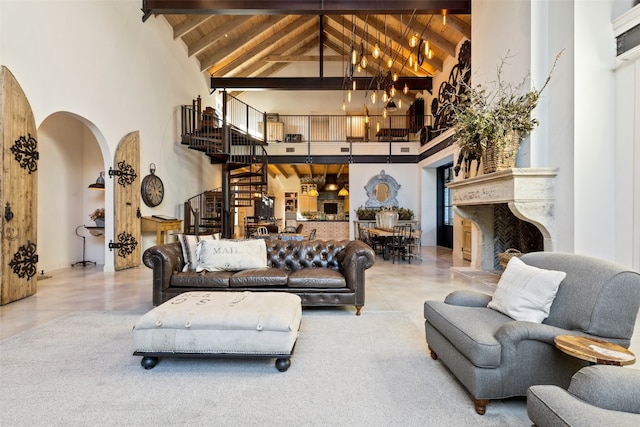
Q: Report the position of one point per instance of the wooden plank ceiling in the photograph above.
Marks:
(233, 39)
(257, 39)
(310, 173)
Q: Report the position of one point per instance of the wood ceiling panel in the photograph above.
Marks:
(258, 50)
(235, 42)
(262, 45)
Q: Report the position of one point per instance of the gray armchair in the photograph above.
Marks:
(496, 357)
(597, 396)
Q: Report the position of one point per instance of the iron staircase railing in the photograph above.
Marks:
(233, 144)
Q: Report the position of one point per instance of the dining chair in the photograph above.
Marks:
(262, 231)
(402, 245)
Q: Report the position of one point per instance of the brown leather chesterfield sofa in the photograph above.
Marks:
(322, 273)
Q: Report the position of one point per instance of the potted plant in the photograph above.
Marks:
(98, 217)
(366, 213)
(491, 121)
(405, 214)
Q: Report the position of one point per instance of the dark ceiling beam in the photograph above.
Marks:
(309, 83)
(302, 7)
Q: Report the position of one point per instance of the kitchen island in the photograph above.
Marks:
(326, 229)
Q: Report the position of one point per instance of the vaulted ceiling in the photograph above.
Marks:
(244, 43)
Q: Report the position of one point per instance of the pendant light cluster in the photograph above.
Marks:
(382, 86)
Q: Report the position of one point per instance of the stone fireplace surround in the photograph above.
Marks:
(529, 194)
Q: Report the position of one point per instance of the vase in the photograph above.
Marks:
(99, 222)
(501, 155)
(386, 219)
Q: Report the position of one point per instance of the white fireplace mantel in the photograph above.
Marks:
(529, 193)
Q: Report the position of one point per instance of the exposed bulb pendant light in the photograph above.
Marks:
(392, 91)
(354, 55)
(366, 119)
(358, 68)
(376, 51)
(378, 126)
(344, 106)
(353, 86)
(427, 47)
(363, 62)
(389, 62)
(385, 97)
(384, 113)
(373, 97)
(349, 96)
(395, 77)
(400, 103)
(410, 60)
(444, 17)
(413, 40)
(405, 89)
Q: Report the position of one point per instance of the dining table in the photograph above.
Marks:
(385, 236)
(281, 236)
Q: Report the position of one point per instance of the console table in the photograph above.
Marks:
(160, 226)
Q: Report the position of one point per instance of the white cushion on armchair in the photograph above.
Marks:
(525, 292)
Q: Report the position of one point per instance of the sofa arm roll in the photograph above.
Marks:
(164, 260)
(608, 387)
(354, 259)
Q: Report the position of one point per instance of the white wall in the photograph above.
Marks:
(627, 147)
(577, 110)
(98, 61)
(407, 176)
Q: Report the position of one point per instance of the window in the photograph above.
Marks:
(447, 206)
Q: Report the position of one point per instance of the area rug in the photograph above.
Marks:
(371, 370)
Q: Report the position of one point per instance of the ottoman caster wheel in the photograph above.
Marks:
(283, 364)
(148, 362)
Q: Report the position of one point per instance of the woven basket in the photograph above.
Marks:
(507, 255)
(503, 155)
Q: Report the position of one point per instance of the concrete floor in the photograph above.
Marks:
(390, 287)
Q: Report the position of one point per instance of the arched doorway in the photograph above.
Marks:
(71, 158)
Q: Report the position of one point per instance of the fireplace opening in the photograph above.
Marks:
(510, 231)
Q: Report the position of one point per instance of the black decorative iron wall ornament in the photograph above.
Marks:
(25, 151)
(450, 91)
(126, 244)
(25, 260)
(126, 173)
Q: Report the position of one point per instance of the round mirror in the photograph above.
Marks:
(381, 192)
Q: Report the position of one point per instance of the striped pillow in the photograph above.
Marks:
(189, 245)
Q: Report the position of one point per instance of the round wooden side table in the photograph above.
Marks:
(594, 350)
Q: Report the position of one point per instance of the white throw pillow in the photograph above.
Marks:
(189, 245)
(231, 255)
(525, 292)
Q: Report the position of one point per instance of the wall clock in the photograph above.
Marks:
(152, 188)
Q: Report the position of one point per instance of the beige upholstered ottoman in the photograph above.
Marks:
(220, 324)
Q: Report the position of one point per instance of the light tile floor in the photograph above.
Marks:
(394, 287)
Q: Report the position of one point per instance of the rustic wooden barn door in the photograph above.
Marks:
(18, 192)
(127, 233)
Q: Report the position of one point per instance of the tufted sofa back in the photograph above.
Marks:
(294, 255)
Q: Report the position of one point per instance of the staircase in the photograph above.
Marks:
(238, 145)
